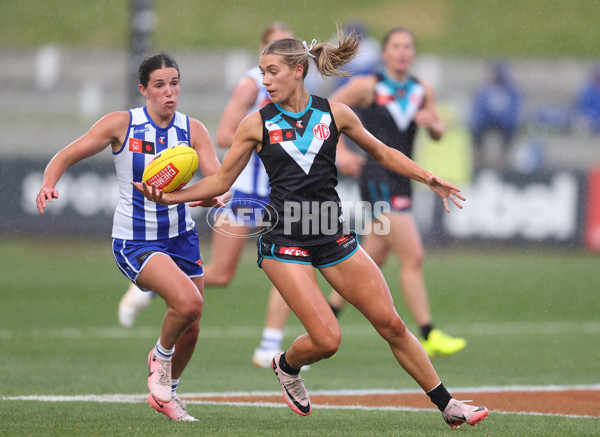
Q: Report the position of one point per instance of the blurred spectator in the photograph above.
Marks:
(587, 104)
(496, 108)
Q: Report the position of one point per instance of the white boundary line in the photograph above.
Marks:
(128, 398)
(483, 389)
(366, 408)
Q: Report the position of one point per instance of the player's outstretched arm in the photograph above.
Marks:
(103, 133)
(349, 124)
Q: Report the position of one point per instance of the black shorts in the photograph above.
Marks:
(396, 195)
(319, 256)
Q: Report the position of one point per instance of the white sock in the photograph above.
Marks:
(163, 354)
(174, 384)
(271, 339)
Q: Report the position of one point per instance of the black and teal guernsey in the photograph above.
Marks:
(390, 119)
(298, 152)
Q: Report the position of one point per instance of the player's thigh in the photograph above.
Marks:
(375, 244)
(297, 284)
(199, 283)
(228, 242)
(161, 275)
(405, 238)
(358, 280)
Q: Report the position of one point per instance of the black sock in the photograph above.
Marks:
(336, 310)
(439, 396)
(425, 330)
(283, 364)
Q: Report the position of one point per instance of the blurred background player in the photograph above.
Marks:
(392, 105)
(249, 190)
(133, 301)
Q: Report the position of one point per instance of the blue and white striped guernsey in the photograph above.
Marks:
(135, 217)
(253, 180)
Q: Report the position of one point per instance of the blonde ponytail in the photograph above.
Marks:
(327, 57)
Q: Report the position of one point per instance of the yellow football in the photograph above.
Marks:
(171, 169)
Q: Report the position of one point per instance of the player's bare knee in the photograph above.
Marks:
(192, 309)
(414, 261)
(223, 281)
(329, 345)
(214, 279)
(393, 329)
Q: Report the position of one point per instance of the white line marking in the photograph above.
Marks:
(374, 391)
(189, 398)
(365, 408)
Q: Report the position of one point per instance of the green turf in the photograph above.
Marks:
(492, 28)
(26, 418)
(530, 318)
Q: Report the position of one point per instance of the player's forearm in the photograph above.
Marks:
(206, 188)
(401, 164)
(54, 170)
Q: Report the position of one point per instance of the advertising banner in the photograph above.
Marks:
(539, 208)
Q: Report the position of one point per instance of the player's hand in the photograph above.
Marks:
(446, 191)
(425, 118)
(45, 195)
(152, 193)
(208, 203)
(217, 202)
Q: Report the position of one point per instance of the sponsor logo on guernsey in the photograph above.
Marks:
(293, 251)
(275, 136)
(140, 146)
(139, 130)
(279, 135)
(161, 140)
(273, 123)
(164, 177)
(383, 99)
(321, 131)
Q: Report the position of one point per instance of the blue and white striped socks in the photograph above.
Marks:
(174, 384)
(271, 339)
(163, 354)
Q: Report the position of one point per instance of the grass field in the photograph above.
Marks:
(531, 318)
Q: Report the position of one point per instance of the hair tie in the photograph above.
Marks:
(308, 49)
